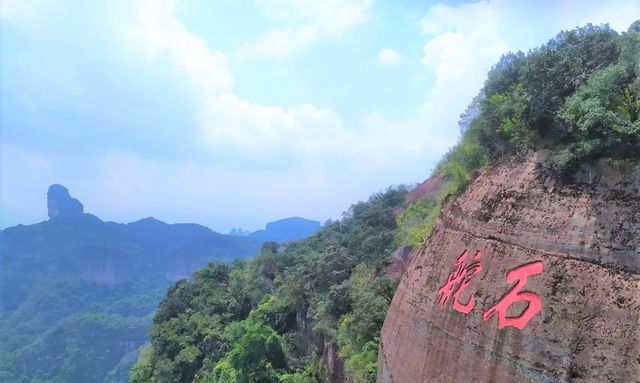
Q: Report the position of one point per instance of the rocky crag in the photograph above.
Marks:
(61, 204)
(523, 279)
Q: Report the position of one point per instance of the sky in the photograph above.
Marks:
(236, 113)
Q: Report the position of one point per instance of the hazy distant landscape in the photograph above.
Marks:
(77, 294)
(298, 191)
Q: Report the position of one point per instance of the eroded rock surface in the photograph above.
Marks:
(587, 238)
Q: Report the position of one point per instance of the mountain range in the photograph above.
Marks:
(77, 294)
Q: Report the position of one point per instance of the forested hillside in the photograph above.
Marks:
(270, 318)
(77, 294)
(279, 316)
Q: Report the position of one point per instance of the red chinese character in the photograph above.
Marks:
(519, 274)
(458, 280)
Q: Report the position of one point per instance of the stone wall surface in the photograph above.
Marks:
(562, 264)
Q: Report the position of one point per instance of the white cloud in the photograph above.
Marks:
(332, 16)
(266, 131)
(462, 44)
(163, 33)
(464, 40)
(307, 22)
(318, 162)
(619, 14)
(141, 188)
(17, 161)
(12, 9)
(280, 43)
(299, 132)
(18, 11)
(389, 57)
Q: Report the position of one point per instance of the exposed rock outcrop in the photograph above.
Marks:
(61, 204)
(103, 265)
(561, 263)
(427, 189)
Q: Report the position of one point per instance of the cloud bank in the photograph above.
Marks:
(139, 114)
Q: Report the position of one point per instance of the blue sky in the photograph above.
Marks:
(235, 113)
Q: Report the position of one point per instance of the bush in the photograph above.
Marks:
(577, 95)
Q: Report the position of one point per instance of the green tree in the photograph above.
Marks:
(258, 355)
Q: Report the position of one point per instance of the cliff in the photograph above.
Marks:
(61, 204)
(523, 279)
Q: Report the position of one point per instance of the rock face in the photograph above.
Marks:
(105, 266)
(60, 203)
(560, 263)
(427, 189)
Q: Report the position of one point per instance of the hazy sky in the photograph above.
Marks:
(234, 113)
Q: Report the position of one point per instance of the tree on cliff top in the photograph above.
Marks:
(578, 95)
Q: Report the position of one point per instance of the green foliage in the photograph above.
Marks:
(306, 375)
(77, 295)
(188, 330)
(577, 95)
(461, 164)
(262, 320)
(142, 371)
(603, 117)
(416, 221)
(251, 322)
(370, 294)
(258, 355)
(363, 365)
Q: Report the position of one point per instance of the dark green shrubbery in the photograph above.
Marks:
(251, 321)
(578, 95)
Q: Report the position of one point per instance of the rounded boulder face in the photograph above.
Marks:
(523, 280)
(61, 204)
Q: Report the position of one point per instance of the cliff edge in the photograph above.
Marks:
(523, 279)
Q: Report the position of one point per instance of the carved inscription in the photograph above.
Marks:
(465, 269)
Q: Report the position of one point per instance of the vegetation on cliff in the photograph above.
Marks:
(577, 96)
(268, 319)
(272, 318)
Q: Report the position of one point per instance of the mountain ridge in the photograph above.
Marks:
(75, 271)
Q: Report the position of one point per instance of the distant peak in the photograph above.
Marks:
(61, 204)
(287, 229)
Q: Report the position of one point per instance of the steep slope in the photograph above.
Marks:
(305, 311)
(560, 263)
(77, 294)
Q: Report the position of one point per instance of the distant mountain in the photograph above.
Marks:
(239, 232)
(288, 229)
(77, 294)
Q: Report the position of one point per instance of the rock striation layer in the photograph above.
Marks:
(562, 264)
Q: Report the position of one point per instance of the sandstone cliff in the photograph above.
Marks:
(523, 280)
